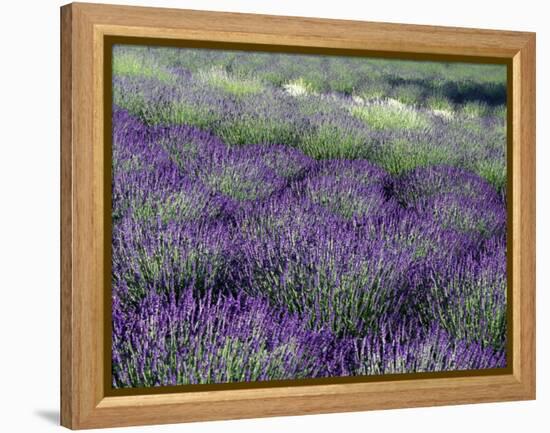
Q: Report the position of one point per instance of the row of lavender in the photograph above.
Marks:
(245, 109)
(260, 263)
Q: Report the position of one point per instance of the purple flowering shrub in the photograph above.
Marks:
(169, 257)
(308, 261)
(479, 218)
(193, 339)
(469, 297)
(241, 177)
(358, 170)
(345, 197)
(402, 350)
(285, 161)
(425, 182)
(288, 217)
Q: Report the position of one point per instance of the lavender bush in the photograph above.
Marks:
(282, 216)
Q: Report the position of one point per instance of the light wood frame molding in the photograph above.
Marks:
(84, 403)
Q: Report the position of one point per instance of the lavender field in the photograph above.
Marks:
(279, 216)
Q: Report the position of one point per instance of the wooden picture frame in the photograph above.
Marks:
(85, 399)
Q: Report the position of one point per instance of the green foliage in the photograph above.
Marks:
(183, 113)
(257, 130)
(474, 313)
(134, 65)
(494, 172)
(346, 204)
(410, 94)
(175, 207)
(299, 87)
(245, 73)
(454, 216)
(330, 142)
(439, 103)
(173, 113)
(233, 184)
(345, 81)
(400, 155)
(500, 111)
(374, 90)
(475, 109)
(390, 116)
(220, 79)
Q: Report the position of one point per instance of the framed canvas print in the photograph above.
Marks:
(268, 216)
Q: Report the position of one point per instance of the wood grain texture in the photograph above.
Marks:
(524, 105)
(83, 400)
(66, 386)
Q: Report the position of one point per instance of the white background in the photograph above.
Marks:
(29, 216)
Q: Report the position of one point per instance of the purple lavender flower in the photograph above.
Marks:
(285, 161)
(241, 176)
(166, 340)
(276, 216)
(425, 182)
(402, 350)
(359, 170)
(345, 197)
(468, 295)
(310, 262)
(465, 214)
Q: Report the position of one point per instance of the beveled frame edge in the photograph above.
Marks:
(83, 402)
